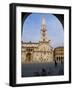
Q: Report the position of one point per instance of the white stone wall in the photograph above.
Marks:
(23, 57)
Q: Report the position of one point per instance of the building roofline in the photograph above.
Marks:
(59, 47)
(30, 43)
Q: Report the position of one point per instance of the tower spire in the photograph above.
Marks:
(43, 23)
(43, 30)
(43, 20)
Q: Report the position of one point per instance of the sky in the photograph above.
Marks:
(32, 27)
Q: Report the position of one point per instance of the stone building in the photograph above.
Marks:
(32, 52)
(59, 54)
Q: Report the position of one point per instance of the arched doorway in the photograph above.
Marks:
(28, 57)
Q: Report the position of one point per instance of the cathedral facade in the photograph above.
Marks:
(32, 52)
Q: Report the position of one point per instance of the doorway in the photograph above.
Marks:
(28, 57)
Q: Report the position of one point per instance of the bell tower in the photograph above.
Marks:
(43, 31)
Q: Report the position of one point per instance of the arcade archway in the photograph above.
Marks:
(28, 57)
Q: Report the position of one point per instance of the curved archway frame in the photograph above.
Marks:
(60, 17)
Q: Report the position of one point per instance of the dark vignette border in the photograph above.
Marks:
(60, 17)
